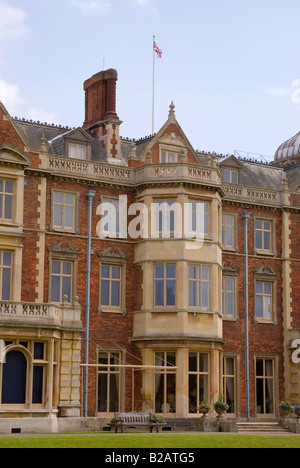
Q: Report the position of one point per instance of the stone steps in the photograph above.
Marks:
(265, 428)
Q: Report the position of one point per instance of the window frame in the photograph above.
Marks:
(199, 373)
(231, 172)
(164, 280)
(118, 259)
(75, 228)
(164, 373)
(226, 316)
(77, 145)
(6, 267)
(226, 246)
(192, 213)
(64, 254)
(272, 250)
(5, 194)
(199, 289)
(233, 376)
(110, 372)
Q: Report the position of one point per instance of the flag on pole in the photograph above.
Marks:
(157, 50)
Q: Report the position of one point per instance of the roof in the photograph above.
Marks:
(289, 149)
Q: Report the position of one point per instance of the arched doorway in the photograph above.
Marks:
(14, 378)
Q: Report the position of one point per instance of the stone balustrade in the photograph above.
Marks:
(65, 315)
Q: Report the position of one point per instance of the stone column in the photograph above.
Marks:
(182, 383)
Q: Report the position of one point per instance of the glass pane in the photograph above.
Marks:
(159, 271)
(72, 151)
(57, 215)
(268, 288)
(203, 363)
(55, 289)
(103, 358)
(205, 295)
(116, 272)
(1, 185)
(193, 394)
(58, 197)
(193, 272)
(229, 370)
(6, 284)
(258, 239)
(230, 304)
(69, 216)
(9, 186)
(267, 307)
(259, 287)
(171, 359)
(159, 293)
(259, 306)
(229, 236)
(193, 362)
(55, 267)
(105, 293)
(115, 294)
(159, 359)
(229, 392)
(37, 385)
(38, 351)
(102, 393)
(171, 288)
(193, 294)
(105, 271)
(163, 157)
(114, 393)
(258, 224)
(7, 259)
(1, 206)
(260, 367)
(234, 177)
(171, 394)
(203, 387)
(171, 271)
(66, 288)
(227, 177)
(205, 272)
(267, 240)
(81, 152)
(159, 393)
(67, 268)
(8, 207)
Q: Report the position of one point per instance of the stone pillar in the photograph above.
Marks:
(215, 376)
(182, 383)
(69, 394)
(148, 389)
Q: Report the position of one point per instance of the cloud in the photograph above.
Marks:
(12, 23)
(38, 113)
(143, 3)
(10, 95)
(277, 91)
(91, 5)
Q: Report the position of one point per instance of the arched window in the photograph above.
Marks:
(14, 379)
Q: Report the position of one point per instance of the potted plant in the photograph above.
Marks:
(297, 410)
(204, 407)
(221, 406)
(286, 408)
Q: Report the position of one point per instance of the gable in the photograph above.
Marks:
(13, 156)
(9, 133)
(79, 135)
(232, 162)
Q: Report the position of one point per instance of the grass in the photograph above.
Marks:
(162, 441)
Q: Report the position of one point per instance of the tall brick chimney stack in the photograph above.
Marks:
(100, 110)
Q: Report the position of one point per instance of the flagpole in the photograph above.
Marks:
(153, 93)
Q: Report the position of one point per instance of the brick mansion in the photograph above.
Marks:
(149, 320)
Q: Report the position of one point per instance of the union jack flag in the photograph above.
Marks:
(157, 50)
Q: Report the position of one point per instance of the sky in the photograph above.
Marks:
(231, 67)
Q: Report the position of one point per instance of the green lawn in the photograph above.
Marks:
(151, 441)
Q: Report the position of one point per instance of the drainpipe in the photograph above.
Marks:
(246, 217)
(90, 195)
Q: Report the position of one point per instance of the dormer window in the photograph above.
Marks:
(77, 151)
(168, 157)
(231, 177)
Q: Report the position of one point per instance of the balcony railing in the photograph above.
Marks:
(40, 314)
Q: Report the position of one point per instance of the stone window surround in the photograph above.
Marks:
(273, 251)
(107, 257)
(76, 228)
(267, 275)
(69, 254)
